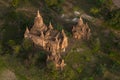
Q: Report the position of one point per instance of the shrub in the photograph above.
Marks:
(15, 3)
(104, 3)
(13, 47)
(76, 8)
(54, 2)
(113, 19)
(95, 45)
(95, 11)
(59, 27)
(17, 49)
(102, 7)
(51, 2)
(11, 43)
(27, 44)
(1, 50)
(55, 5)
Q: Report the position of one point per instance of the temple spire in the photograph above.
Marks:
(50, 26)
(63, 33)
(38, 14)
(80, 21)
(38, 22)
(27, 30)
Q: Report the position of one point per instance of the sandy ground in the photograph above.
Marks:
(117, 3)
(7, 75)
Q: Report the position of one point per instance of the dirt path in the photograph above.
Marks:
(117, 3)
(4, 3)
(7, 75)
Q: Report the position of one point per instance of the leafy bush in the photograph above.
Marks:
(100, 69)
(104, 3)
(102, 7)
(14, 3)
(14, 27)
(54, 2)
(76, 8)
(95, 11)
(51, 2)
(95, 45)
(17, 49)
(13, 47)
(55, 5)
(27, 44)
(113, 19)
(59, 27)
(1, 50)
(105, 8)
(11, 43)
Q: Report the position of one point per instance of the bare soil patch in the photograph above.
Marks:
(8, 75)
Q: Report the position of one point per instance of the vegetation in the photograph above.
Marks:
(96, 59)
(113, 19)
(106, 9)
(55, 4)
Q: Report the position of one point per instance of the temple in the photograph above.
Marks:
(81, 30)
(48, 39)
(53, 41)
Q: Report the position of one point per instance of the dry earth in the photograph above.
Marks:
(7, 75)
(117, 3)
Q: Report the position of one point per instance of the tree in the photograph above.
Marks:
(27, 44)
(51, 2)
(55, 4)
(15, 3)
(95, 11)
(113, 19)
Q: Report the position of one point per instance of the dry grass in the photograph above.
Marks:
(8, 75)
(117, 3)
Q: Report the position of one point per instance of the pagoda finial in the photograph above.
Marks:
(27, 30)
(50, 26)
(38, 14)
(26, 34)
(38, 21)
(80, 21)
(63, 33)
